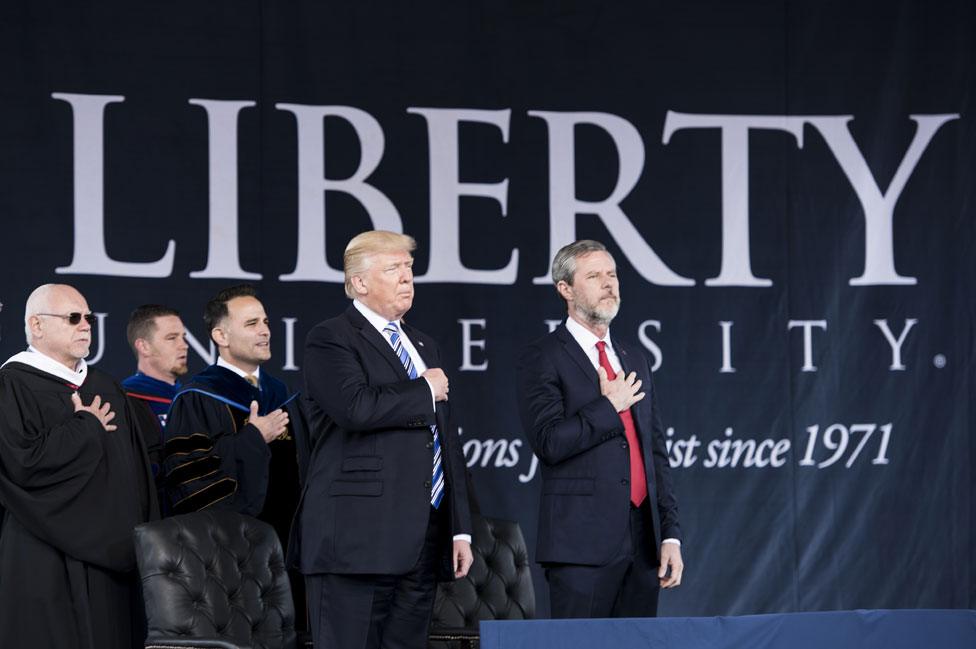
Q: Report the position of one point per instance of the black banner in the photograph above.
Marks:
(787, 188)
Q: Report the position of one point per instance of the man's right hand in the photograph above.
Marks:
(438, 382)
(272, 426)
(102, 411)
(623, 391)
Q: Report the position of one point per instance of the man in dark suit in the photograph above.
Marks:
(384, 511)
(608, 521)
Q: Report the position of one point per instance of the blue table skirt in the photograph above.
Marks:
(897, 629)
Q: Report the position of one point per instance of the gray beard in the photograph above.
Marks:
(596, 316)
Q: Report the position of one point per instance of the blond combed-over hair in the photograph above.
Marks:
(356, 259)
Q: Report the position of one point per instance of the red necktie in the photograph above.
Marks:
(638, 480)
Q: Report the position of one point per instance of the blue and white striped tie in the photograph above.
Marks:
(437, 481)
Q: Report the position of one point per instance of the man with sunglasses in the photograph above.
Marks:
(75, 481)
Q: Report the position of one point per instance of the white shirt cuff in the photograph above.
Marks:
(675, 541)
(433, 401)
(463, 537)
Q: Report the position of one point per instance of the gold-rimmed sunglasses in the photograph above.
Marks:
(74, 317)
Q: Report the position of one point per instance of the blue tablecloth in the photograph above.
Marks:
(901, 629)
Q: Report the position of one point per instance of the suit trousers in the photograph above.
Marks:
(378, 611)
(626, 586)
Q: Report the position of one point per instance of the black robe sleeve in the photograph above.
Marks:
(63, 476)
(212, 458)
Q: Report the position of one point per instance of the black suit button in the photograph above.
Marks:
(623, 444)
(427, 484)
(625, 482)
(430, 444)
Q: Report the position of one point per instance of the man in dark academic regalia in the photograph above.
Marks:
(229, 434)
(158, 339)
(75, 481)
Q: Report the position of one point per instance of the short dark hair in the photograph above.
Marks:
(142, 322)
(216, 309)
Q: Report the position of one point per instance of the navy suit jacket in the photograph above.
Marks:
(366, 497)
(583, 452)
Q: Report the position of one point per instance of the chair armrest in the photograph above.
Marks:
(445, 633)
(191, 643)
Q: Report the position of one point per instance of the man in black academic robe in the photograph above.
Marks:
(216, 458)
(229, 436)
(75, 481)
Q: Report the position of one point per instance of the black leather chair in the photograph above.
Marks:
(214, 579)
(498, 586)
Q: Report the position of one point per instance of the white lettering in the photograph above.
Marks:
(312, 264)
(467, 344)
(649, 344)
(564, 205)
(446, 189)
(807, 325)
(533, 466)
(90, 255)
(223, 259)
(100, 337)
(726, 347)
(895, 344)
(289, 345)
(208, 354)
(736, 267)
(879, 256)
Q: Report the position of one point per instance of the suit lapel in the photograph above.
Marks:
(420, 343)
(578, 355)
(376, 339)
(628, 365)
(426, 349)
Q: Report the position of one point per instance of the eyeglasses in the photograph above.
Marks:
(74, 317)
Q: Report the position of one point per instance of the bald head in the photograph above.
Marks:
(47, 323)
(40, 298)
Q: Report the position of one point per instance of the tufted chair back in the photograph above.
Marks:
(498, 586)
(217, 577)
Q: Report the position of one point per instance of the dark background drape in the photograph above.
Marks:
(787, 188)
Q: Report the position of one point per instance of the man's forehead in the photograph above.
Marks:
(68, 299)
(392, 256)
(169, 323)
(245, 306)
(597, 259)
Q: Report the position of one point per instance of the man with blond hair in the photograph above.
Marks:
(384, 512)
(75, 481)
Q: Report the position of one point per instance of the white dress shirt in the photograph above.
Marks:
(238, 371)
(379, 323)
(587, 340)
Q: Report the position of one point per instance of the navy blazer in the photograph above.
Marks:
(583, 452)
(366, 496)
